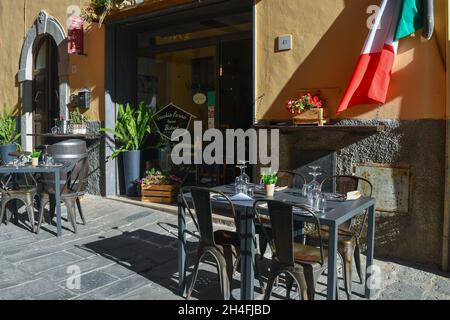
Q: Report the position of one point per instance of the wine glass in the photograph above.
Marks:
(45, 156)
(243, 180)
(315, 185)
(314, 168)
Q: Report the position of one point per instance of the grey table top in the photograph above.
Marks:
(337, 212)
(31, 169)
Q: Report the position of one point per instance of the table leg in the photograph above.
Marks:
(370, 250)
(58, 202)
(182, 247)
(247, 254)
(332, 257)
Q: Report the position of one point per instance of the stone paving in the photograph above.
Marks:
(130, 252)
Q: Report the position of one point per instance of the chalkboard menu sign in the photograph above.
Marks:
(171, 118)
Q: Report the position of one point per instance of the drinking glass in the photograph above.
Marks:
(50, 161)
(315, 185)
(45, 155)
(322, 204)
(243, 180)
(306, 189)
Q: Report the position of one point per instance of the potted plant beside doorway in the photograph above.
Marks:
(8, 135)
(133, 126)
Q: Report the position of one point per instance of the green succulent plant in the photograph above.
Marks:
(35, 154)
(8, 128)
(268, 179)
(133, 126)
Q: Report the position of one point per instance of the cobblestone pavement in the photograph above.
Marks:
(130, 252)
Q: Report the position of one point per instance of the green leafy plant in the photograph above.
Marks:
(35, 154)
(133, 127)
(268, 179)
(76, 117)
(8, 128)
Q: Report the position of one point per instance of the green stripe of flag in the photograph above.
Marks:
(411, 18)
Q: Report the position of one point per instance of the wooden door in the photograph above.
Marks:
(45, 88)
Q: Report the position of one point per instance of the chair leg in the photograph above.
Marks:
(71, 214)
(224, 278)
(348, 263)
(80, 211)
(41, 214)
(30, 212)
(194, 279)
(52, 208)
(29, 202)
(311, 278)
(2, 212)
(270, 283)
(289, 283)
(357, 256)
(259, 273)
(302, 286)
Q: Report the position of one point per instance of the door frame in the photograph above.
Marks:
(43, 25)
(113, 37)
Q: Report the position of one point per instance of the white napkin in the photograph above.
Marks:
(353, 195)
(241, 197)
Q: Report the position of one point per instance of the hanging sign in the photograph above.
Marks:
(171, 118)
(76, 34)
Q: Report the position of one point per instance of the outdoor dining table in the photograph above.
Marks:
(337, 213)
(53, 169)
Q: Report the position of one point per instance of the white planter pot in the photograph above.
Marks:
(270, 190)
(79, 130)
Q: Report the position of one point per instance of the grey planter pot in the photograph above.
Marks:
(132, 164)
(5, 150)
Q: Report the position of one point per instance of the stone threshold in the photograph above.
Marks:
(168, 208)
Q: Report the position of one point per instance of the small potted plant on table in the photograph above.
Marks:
(270, 180)
(35, 154)
(159, 187)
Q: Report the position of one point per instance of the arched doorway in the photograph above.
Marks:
(45, 87)
(43, 78)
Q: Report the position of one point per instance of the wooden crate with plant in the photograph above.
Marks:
(159, 187)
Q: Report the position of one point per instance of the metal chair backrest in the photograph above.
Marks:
(290, 179)
(201, 200)
(347, 183)
(282, 227)
(77, 176)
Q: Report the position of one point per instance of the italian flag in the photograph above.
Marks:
(372, 75)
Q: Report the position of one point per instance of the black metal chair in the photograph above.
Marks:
(349, 234)
(71, 192)
(286, 178)
(300, 263)
(290, 179)
(24, 193)
(222, 245)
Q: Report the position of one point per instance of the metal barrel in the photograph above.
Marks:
(68, 151)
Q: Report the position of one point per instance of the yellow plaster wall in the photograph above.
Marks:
(16, 17)
(90, 70)
(328, 36)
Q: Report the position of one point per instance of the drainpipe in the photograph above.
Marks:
(445, 236)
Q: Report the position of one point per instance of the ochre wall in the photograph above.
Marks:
(328, 36)
(16, 17)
